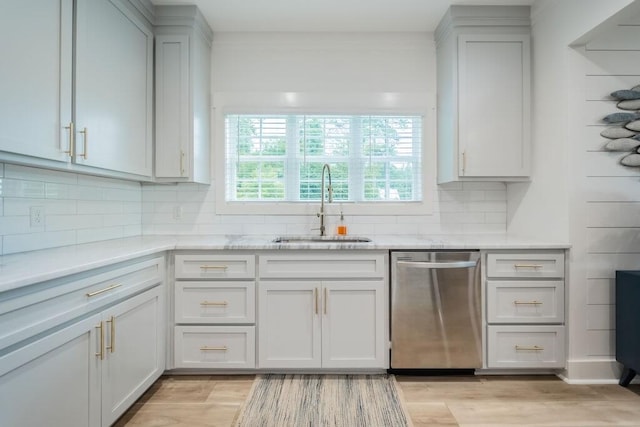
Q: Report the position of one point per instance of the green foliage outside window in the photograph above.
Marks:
(280, 157)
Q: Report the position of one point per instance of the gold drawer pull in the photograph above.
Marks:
(207, 348)
(534, 266)
(527, 302)
(214, 267)
(101, 291)
(529, 348)
(215, 303)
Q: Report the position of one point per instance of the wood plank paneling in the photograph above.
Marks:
(611, 192)
(613, 214)
(601, 291)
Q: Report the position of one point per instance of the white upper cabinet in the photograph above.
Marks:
(35, 78)
(483, 57)
(114, 90)
(183, 57)
(88, 110)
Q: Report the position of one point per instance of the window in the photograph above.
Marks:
(279, 157)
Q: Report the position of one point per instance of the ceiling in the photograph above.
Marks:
(327, 15)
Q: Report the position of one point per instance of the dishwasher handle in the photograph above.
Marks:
(437, 265)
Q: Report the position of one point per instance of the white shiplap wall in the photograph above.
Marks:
(611, 191)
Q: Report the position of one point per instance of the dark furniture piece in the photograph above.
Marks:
(628, 323)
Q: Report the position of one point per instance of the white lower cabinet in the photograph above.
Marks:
(53, 381)
(225, 347)
(525, 309)
(214, 310)
(526, 346)
(328, 324)
(89, 370)
(133, 352)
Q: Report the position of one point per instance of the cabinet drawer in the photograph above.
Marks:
(525, 347)
(337, 264)
(525, 301)
(530, 265)
(208, 266)
(49, 304)
(215, 302)
(230, 347)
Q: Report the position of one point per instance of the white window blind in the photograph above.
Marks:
(373, 158)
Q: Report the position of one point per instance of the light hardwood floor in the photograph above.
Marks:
(482, 401)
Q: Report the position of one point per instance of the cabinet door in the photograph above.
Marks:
(35, 78)
(53, 381)
(113, 88)
(134, 351)
(353, 325)
(494, 105)
(289, 324)
(173, 129)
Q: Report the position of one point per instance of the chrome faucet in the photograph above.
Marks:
(330, 192)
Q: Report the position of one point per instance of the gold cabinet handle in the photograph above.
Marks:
(181, 162)
(527, 302)
(214, 267)
(325, 300)
(101, 291)
(72, 137)
(112, 345)
(534, 266)
(100, 354)
(529, 348)
(215, 303)
(207, 348)
(315, 296)
(85, 132)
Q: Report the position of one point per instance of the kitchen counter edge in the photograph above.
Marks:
(26, 268)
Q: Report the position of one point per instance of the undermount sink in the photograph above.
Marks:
(315, 239)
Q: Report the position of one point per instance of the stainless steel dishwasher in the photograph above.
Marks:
(435, 310)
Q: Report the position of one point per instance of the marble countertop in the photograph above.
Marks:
(22, 269)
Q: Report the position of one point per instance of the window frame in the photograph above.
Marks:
(422, 104)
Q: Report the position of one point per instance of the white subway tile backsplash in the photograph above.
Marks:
(14, 225)
(54, 190)
(73, 222)
(96, 234)
(12, 243)
(81, 208)
(484, 185)
(22, 188)
(77, 208)
(97, 207)
(160, 196)
(27, 173)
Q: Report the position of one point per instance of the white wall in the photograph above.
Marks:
(336, 72)
(578, 192)
(77, 208)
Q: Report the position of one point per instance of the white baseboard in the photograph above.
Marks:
(592, 371)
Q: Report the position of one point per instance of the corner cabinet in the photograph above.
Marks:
(323, 310)
(182, 81)
(81, 99)
(484, 84)
(80, 350)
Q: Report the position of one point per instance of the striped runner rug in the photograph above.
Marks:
(323, 401)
